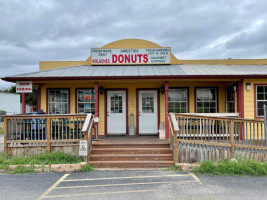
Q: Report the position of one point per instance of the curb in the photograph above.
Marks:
(54, 167)
(186, 166)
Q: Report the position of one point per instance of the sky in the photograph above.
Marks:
(48, 30)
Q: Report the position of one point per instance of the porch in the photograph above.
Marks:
(193, 138)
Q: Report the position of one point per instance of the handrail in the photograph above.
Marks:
(87, 129)
(174, 133)
(43, 116)
(217, 118)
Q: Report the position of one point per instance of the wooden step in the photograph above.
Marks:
(136, 145)
(131, 164)
(131, 151)
(130, 157)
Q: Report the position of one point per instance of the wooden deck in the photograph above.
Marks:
(130, 140)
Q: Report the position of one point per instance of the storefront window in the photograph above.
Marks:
(58, 101)
(206, 100)
(85, 101)
(177, 100)
(230, 100)
(261, 95)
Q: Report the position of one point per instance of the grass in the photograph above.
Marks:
(174, 168)
(1, 129)
(86, 168)
(23, 170)
(243, 167)
(44, 159)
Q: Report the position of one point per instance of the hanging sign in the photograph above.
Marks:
(131, 56)
(24, 87)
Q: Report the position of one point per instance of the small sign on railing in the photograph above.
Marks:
(83, 150)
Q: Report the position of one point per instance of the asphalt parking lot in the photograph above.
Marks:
(131, 184)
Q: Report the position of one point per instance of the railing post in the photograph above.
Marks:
(265, 124)
(48, 131)
(175, 146)
(5, 136)
(232, 138)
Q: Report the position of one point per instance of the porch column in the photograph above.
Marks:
(23, 103)
(240, 104)
(167, 134)
(240, 98)
(96, 108)
(38, 106)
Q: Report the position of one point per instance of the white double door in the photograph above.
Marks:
(116, 112)
(148, 112)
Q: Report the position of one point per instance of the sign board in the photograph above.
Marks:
(131, 56)
(83, 150)
(24, 87)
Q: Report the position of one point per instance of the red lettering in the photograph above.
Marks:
(145, 58)
(132, 57)
(87, 97)
(128, 58)
(139, 56)
(114, 58)
(120, 58)
(100, 61)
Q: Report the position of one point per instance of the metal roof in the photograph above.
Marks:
(146, 71)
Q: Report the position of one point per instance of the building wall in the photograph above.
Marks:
(132, 86)
(10, 103)
(138, 43)
(249, 97)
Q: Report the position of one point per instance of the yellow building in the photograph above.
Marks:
(142, 79)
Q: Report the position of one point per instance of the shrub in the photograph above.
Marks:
(228, 167)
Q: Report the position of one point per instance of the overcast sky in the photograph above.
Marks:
(44, 30)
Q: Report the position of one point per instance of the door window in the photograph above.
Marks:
(147, 103)
(116, 103)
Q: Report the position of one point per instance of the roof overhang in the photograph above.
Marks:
(93, 78)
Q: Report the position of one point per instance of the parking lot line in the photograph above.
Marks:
(98, 193)
(123, 184)
(196, 178)
(53, 186)
(127, 177)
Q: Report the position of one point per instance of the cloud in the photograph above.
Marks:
(66, 30)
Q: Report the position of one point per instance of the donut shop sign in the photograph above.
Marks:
(130, 56)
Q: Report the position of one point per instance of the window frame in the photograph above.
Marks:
(187, 97)
(255, 101)
(217, 97)
(47, 100)
(76, 98)
(226, 101)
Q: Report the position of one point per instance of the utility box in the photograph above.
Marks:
(162, 131)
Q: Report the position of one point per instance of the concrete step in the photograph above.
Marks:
(131, 151)
(131, 164)
(130, 157)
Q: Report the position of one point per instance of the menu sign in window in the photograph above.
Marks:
(131, 56)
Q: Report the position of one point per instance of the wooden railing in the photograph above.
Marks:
(174, 130)
(219, 131)
(87, 130)
(43, 130)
